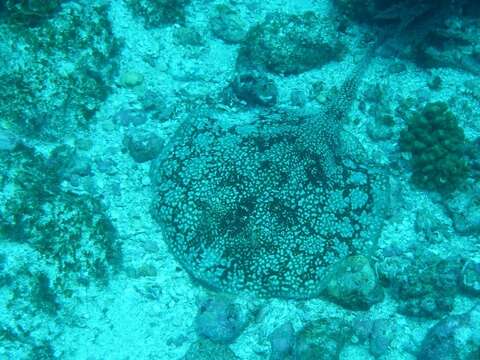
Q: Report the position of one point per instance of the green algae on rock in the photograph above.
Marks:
(62, 71)
(290, 44)
(70, 231)
(31, 12)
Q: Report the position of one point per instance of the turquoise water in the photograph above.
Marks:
(187, 179)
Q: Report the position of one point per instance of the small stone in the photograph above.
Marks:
(8, 140)
(187, 36)
(106, 166)
(362, 328)
(68, 162)
(146, 181)
(397, 68)
(146, 270)
(470, 278)
(378, 131)
(83, 144)
(108, 126)
(155, 104)
(151, 246)
(435, 83)
(298, 98)
(131, 79)
(128, 116)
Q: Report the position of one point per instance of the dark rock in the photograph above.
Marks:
(143, 145)
(428, 306)
(31, 12)
(255, 89)
(464, 209)
(78, 89)
(322, 339)
(423, 284)
(397, 68)
(65, 161)
(205, 349)
(159, 12)
(455, 337)
(219, 320)
(227, 24)
(378, 131)
(282, 341)
(380, 338)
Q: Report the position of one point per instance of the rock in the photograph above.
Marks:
(159, 12)
(464, 209)
(219, 320)
(205, 349)
(65, 161)
(380, 337)
(282, 341)
(30, 12)
(423, 284)
(322, 339)
(362, 328)
(354, 284)
(226, 24)
(381, 128)
(143, 145)
(455, 337)
(8, 140)
(431, 225)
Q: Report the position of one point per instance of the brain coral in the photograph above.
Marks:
(247, 206)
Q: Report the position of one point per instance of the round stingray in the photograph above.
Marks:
(244, 206)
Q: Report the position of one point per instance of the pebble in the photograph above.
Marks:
(131, 79)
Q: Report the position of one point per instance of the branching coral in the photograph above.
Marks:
(437, 145)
